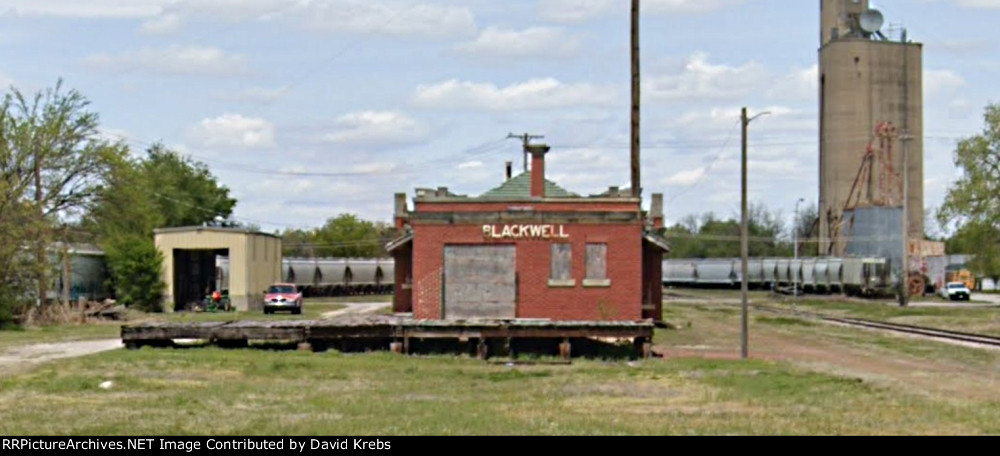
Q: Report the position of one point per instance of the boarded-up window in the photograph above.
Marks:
(480, 282)
(562, 262)
(597, 261)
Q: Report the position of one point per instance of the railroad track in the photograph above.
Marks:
(935, 333)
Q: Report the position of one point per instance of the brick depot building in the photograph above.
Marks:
(528, 249)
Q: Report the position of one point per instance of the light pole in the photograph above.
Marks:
(904, 270)
(795, 246)
(744, 238)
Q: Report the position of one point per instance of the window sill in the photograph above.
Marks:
(597, 283)
(571, 283)
(407, 286)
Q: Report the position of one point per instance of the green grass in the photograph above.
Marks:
(691, 318)
(268, 392)
(60, 333)
(784, 321)
(236, 392)
(983, 319)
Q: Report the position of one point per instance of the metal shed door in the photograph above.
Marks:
(479, 282)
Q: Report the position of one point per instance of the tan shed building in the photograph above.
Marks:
(189, 264)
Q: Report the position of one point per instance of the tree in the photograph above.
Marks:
(124, 217)
(980, 240)
(807, 230)
(343, 236)
(161, 190)
(971, 202)
(711, 237)
(52, 159)
(347, 236)
(17, 265)
(185, 191)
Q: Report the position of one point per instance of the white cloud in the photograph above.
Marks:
(172, 60)
(166, 23)
(377, 129)
(84, 8)
(387, 17)
(234, 131)
(408, 18)
(375, 168)
(582, 10)
(235, 10)
(983, 4)
(533, 94)
(369, 17)
(937, 82)
(529, 42)
(470, 165)
(685, 178)
(698, 79)
(961, 46)
(797, 84)
(258, 94)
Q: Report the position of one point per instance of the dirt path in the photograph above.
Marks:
(356, 308)
(17, 358)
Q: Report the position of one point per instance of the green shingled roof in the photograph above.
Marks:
(520, 188)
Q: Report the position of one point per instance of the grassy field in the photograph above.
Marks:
(60, 333)
(982, 318)
(312, 308)
(212, 391)
(806, 378)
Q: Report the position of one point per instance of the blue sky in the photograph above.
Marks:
(311, 108)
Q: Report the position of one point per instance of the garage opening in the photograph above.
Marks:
(480, 282)
(196, 276)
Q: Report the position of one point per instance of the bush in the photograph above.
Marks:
(135, 267)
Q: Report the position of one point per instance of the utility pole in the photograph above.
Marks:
(744, 237)
(795, 247)
(744, 241)
(636, 181)
(904, 270)
(525, 141)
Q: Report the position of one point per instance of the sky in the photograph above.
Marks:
(307, 109)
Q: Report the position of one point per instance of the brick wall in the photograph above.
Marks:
(622, 300)
(402, 300)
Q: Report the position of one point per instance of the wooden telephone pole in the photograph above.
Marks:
(525, 141)
(636, 181)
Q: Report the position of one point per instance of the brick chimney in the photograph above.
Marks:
(401, 212)
(656, 210)
(538, 152)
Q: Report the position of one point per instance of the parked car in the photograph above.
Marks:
(956, 291)
(283, 296)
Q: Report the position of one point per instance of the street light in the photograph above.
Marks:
(744, 238)
(795, 246)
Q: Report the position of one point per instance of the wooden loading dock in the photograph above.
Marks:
(398, 334)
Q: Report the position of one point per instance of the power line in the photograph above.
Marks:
(708, 169)
(213, 212)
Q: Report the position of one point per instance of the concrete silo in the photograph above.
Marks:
(871, 114)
